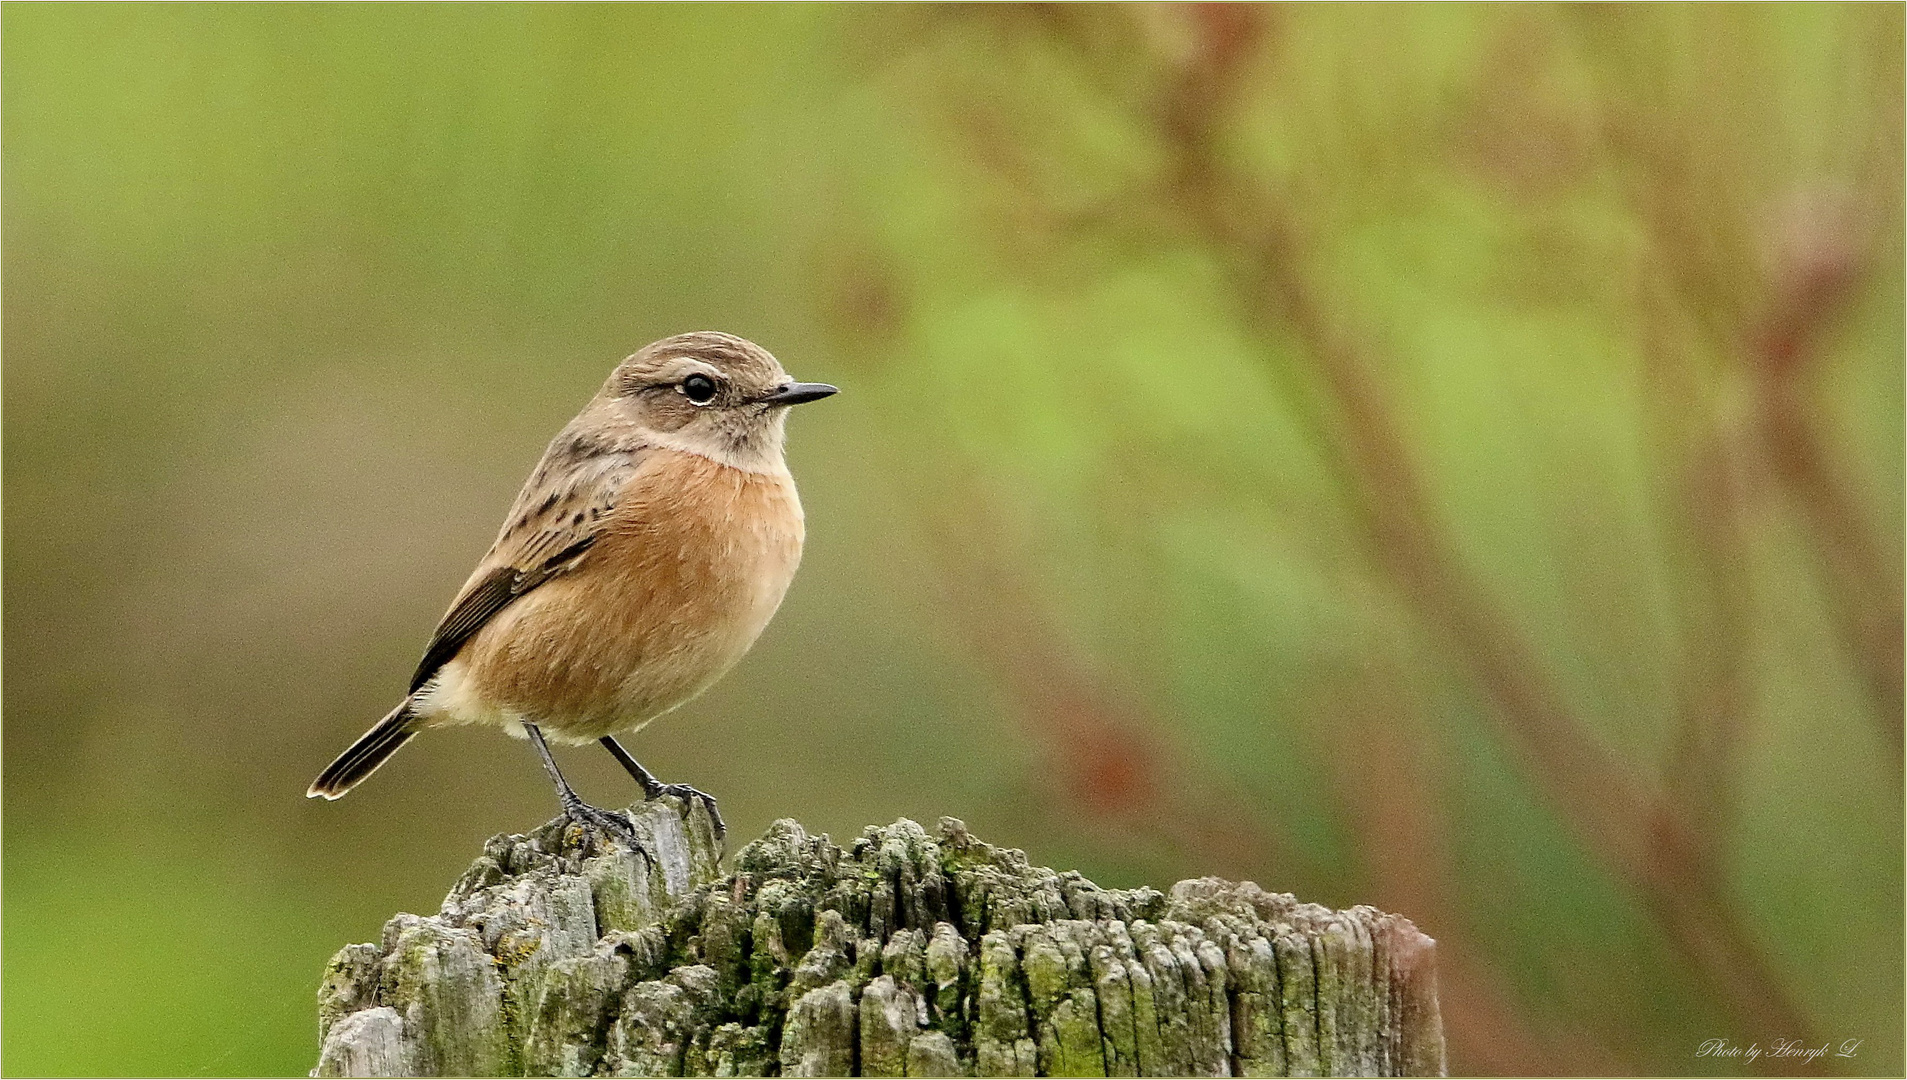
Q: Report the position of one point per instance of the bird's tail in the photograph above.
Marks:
(365, 755)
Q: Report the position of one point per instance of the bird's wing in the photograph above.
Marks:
(556, 518)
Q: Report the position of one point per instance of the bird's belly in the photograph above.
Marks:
(673, 594)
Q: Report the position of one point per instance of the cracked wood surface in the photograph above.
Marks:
(560, 953)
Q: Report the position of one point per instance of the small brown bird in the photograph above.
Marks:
(646, 553)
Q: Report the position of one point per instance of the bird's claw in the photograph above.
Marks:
(617, 825)
(685, 793)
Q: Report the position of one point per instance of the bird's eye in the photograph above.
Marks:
(699, 389)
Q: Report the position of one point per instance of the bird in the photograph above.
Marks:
(647, 551)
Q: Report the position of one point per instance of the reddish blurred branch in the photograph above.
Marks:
(1708, 549)
(1137, 789)
(1706, 225)
(1818, 265)
(1132, 783)
(1831, 245)
(1176, 76)
(1632, 829)
(1389, 778)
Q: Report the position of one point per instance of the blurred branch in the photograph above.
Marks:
(1633, 830)
(1135, 785)
(1174, 75)
(1387, 774)
(1129, 781)
(1706, 231)
(1820, 262)
(1708, 547)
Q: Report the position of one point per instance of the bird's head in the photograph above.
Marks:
(708, 393)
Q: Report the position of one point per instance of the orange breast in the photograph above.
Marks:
(691, 567)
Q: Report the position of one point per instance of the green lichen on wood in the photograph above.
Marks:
(901, 954)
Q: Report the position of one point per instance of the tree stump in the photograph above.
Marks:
(562, 953)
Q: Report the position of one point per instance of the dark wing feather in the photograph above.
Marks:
(488, 596)
(556, 518)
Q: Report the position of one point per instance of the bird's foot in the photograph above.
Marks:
(685, 793)
(609, 821)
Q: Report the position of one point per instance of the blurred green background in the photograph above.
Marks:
(1444, 458)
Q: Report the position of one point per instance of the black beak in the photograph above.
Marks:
(797, 393)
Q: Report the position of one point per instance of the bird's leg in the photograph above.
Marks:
(574, 807)
(655, 789)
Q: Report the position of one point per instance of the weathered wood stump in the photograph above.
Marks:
(906, 954)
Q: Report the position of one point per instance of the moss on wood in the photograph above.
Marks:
(901, 954)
